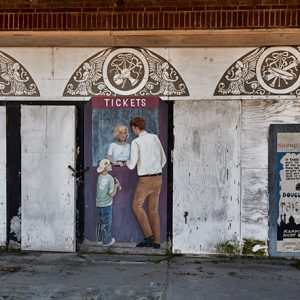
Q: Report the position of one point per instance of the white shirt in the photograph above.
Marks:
(119, 152)
(147, 153)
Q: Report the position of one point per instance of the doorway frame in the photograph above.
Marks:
(13, 165)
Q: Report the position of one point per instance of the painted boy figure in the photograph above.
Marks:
(148, 154)
(107, 188)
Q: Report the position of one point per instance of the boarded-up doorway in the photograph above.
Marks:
(206, 201)
(47, 185)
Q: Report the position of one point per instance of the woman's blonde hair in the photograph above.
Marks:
(120, 128)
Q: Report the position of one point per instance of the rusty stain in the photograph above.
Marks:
(11, 269)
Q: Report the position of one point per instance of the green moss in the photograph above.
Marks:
(170, 255)
(297, 264)
(248, 247)
(229, 247)
(110, 251)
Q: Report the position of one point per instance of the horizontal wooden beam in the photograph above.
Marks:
(151, 38)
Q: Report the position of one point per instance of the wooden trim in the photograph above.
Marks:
(150, 38)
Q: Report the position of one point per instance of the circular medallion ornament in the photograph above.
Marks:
(277, 70)
(125, 71)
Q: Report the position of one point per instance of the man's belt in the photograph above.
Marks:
(150, 175)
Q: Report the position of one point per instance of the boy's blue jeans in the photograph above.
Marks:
(104, 224)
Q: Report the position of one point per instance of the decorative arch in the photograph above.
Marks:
(126, 71)
(263, 71)
(15, 79)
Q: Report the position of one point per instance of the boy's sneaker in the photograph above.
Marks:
(147, 242)
(110, 243)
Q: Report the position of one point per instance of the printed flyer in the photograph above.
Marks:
(288, 192)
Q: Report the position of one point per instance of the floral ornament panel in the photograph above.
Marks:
(14, 78)
(264, 71)
(126, 71)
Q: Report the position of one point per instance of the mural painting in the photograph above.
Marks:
(263, 71)
(126, 71)
(15, 79)
(114, 154)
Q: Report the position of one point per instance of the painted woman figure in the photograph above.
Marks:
(119, 151)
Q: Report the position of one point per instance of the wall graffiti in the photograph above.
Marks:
(263, 71)
(126, 71)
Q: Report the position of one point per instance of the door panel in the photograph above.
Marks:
(102, 117)
(206, 205)
(48, 187)
(2, 176)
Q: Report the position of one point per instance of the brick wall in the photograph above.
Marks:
(152, 14)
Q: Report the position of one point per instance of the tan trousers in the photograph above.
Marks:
(148, 188)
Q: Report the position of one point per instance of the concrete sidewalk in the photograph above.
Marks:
(144, 277)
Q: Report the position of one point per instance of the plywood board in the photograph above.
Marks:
(206, 205)
(257, 115)
(47, 197)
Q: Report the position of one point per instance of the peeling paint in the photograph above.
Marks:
(15, 226)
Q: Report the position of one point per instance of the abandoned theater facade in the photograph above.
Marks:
(228, 118)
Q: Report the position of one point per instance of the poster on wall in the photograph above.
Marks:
(110, 219)
(288, 191)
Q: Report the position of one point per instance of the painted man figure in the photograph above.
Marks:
(147, 153)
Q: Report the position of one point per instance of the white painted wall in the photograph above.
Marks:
(2, 175)
(206, 175)
(203, 193)
(48, 190)
(51, 68)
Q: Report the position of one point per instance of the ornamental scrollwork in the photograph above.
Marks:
(126, 71)
(15, 80)
(263, 71)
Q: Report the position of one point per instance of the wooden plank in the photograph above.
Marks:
(2, 176)
(206, 175)
(255, 204)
